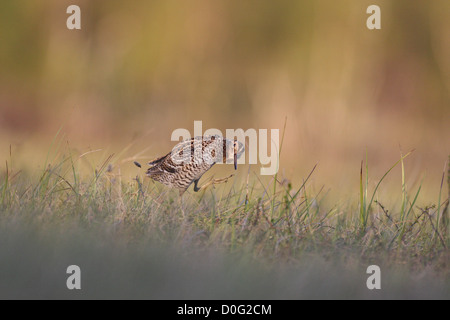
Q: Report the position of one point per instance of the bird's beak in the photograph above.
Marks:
(235, 154)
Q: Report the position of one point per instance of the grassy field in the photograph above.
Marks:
(249, 239)
(351, 102)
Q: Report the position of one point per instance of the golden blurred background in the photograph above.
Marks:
(138, 70)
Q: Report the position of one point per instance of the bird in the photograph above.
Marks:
(191, 158)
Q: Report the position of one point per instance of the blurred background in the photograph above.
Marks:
(138, 70)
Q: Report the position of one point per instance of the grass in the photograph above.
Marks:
(243, 241)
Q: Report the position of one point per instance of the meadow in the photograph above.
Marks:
(251, 238)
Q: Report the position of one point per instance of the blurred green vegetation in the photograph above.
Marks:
(137, 71)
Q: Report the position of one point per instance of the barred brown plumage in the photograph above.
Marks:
(191, 158)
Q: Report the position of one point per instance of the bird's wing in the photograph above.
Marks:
(157, 160)
(184, 154)
(162, 165)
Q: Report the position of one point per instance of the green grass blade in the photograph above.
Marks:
(361, 197)
(276, 174)
(384, 176)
